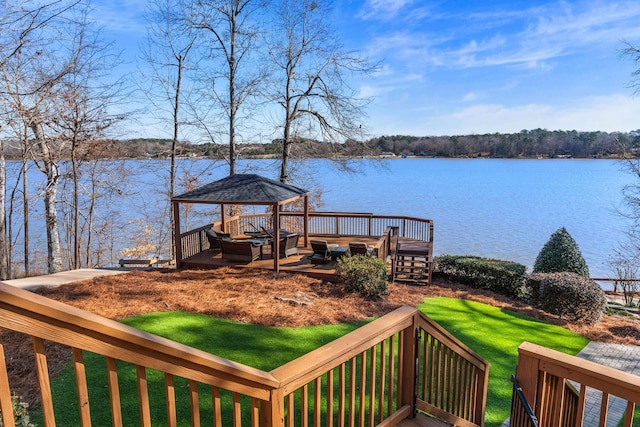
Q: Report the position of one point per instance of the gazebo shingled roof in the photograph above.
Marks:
(242, 189)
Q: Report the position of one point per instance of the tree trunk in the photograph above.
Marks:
(4, 243)
(232, 96)
(52, 172)
(25, 205)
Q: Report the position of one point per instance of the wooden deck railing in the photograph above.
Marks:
(339, 224)
(367, 377)
(544, 376)
(320, 223)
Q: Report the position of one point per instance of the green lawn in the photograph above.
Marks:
(493, 333)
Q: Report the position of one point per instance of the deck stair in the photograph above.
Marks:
(413, 261)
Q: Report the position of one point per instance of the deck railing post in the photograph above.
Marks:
(272, 411)
(527, 373)
(409, 365)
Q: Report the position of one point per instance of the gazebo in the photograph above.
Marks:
(243, 189)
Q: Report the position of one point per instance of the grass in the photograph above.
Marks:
(495, 334)
(258, 346)
(492, 332)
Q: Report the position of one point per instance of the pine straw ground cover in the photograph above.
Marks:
(259, 297)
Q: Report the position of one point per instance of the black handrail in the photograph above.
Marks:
(517, 392)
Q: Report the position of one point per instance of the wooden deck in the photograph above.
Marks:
(293, 264)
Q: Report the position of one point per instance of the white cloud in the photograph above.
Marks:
(125, 16)
(606, 113)
(470, 97)
(382, 9)
(527, 37)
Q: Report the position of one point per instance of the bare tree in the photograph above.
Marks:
(82, 118)
(21, 22)
(231, 27)
(170, 40)
(55, 94)
(311, 83)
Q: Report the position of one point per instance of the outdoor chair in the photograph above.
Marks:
(214, 238)
(289, 245)
(240, 250)
(359, 248)
(321, 253)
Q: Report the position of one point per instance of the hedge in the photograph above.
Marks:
(503, 277)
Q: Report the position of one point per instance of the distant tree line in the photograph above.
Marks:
(524, 144)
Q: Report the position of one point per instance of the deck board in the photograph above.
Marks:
(422, 420)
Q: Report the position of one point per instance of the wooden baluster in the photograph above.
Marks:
(628, 414)
(216, 406)
(305, 406)
(255, 412)
(382, 380)
(5, 395)
(170, 396)
(81, 384)
(329, 422)
(341, 397)
(195, 403)
(114, 392)
(237, 409)
(391, 376)
(352, 392)
(363, 386)
(290, 410)
(372, 386)
(43, 382)
(143, 396)
(604, 409)
(317, 402)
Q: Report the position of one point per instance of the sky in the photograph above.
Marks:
(467, 67)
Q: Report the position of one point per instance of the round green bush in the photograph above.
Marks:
(364, 275)
(561, 253)
(571, 296)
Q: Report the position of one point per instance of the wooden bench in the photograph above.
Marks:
(138, 262)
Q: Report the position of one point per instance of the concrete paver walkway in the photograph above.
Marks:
(623, 357)
(31, 283)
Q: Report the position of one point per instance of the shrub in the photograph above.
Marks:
(364, 275)
(503, 277)
(20, 412)
(569, 295)
(561, 253)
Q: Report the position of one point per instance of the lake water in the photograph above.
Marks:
(504, 209)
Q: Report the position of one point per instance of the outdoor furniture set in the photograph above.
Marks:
(323, 253)
(249, 250)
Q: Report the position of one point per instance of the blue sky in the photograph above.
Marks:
(462, 67)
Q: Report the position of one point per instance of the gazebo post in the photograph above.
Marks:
(176, 233)
(306, 220)
(276, 237)
(223, 219)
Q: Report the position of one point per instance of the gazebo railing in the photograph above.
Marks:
(320, 224)
(339, 224)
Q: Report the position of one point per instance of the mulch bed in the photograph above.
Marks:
(258, 297)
